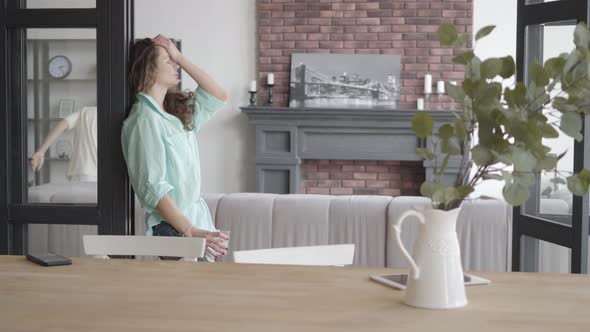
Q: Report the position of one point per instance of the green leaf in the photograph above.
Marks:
(578, 183)
(451, 146)
(570, 61)
(428, 188)
(464, 58)
(581, 36)
(571, 125)
(447, 34)
(508, 67)
(461, 41)
(517, 96)
(557, 180)
(515, 194)
(524, 160)
(464, 191)
(547, 131)
(547, 164)
(422, 124)
(547, 191)
(445, 162)
(460, 129)
(491, 68)
(538, 75)
(481, 155)
(425, 153)
(484, 32)
(563, 105)
(446, 131)
(475, 71)
(455, 92)
(554, 66)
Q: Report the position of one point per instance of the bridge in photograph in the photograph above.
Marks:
(309, 83)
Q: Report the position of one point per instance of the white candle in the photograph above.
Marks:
(440, 87)
(420, 104)
(427, 83)
(253, 86)
(270, 80)
(453, 83)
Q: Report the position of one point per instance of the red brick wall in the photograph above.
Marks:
(362, 177)
(407, 28)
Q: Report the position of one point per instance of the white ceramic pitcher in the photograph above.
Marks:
(436, 274)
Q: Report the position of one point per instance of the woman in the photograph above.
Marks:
(159, 145)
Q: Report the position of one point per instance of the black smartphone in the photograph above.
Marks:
(49, 259)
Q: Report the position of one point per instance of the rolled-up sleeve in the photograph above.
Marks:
(205, 106)
(145, 155)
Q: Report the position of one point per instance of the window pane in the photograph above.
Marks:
(64, 240)
(531, 2)
(61, 4)
(61, 116)
(552, 200)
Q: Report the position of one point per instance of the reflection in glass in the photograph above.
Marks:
(61, 116)
(553, 258)
(64, 240)
(61, 4)
(555, 197)
(530, 2)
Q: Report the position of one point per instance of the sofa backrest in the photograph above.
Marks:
(260, 221)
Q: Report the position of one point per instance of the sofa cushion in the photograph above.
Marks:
(360, 220)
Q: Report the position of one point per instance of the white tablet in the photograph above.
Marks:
(398, 281)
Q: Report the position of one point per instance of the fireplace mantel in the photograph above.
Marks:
(285, 136)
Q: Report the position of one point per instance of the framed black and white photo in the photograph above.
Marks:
(345, 80)
(66, 107)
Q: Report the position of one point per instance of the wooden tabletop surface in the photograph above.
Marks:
(131, 295)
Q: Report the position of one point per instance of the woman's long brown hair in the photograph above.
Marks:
(144, 57)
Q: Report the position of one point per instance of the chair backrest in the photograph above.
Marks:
(329, 255)
(102, 245)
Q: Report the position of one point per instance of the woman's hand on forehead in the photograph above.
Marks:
(169, 46)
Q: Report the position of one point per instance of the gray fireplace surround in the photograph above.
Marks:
(285, 136)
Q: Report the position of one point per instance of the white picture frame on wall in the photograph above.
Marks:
(66, 107)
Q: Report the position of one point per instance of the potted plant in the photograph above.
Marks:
(499, 132)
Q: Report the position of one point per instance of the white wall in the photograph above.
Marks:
(220, 37)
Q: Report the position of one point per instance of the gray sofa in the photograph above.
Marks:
(258, 221)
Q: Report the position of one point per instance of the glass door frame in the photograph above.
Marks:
(528, 229)
(113, 21)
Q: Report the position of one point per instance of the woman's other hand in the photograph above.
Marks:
(216, 241)
(37, 161)
(169, 46)
(217, 244)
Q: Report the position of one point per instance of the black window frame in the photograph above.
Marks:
(572, 235)
(113, 21)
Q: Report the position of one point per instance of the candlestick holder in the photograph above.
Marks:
(427, 103)
(439, 100)
(252, 97)
(270, 94)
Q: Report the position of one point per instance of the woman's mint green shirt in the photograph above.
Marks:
(163, 158)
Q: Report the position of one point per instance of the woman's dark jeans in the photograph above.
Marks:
(165, 229)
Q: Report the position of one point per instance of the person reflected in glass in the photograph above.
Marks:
(83, 163)
(159, 145)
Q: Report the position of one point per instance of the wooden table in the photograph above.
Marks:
(129, 295)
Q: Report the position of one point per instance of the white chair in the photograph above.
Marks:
(329, 255)
(100, 246)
